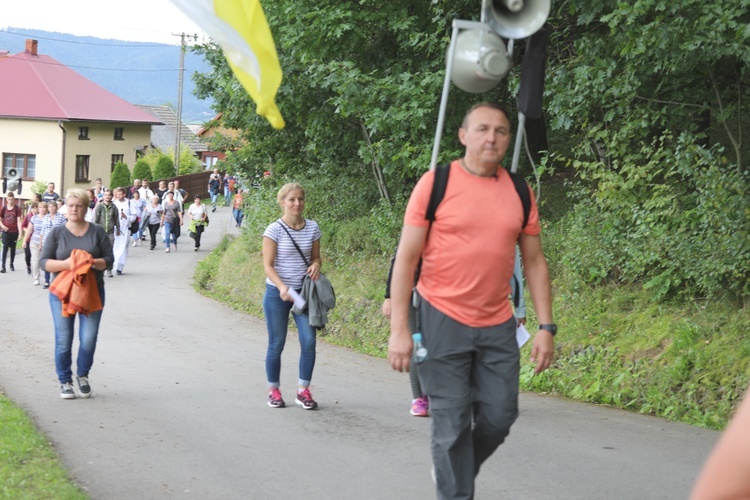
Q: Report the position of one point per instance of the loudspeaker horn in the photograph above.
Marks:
(516, 19)
(480, 61)
(12, 182)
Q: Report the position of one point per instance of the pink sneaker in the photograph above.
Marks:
(421, 407)
(274, 398)
(305, 400)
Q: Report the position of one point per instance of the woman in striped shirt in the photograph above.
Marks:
(33, 240)
(52, 219)
(291, 250)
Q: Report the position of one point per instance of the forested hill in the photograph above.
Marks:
(140, 73)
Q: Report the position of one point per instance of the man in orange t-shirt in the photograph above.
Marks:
(471, 371)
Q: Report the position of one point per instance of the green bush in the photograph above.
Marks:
(670, 216)
(164, 168)
(142, 170)
(120, 176)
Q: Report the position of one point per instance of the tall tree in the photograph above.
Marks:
(362, 84)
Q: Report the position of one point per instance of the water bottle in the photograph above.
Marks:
(420, 351)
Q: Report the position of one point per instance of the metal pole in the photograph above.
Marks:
(178, 132)
(444, 98)
(519, 141)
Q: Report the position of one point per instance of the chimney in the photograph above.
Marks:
(31, 46)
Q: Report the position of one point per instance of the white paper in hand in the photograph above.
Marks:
(299, 302)
(522, 335)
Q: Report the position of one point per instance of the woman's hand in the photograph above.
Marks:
(284, 294)
(314, 271)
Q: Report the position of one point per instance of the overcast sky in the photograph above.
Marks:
(132, 20)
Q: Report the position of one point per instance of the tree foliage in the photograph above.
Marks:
(361, 90)
(164, 168)
(120, 176)
(651, 99)
(142, 170)
(646, 104)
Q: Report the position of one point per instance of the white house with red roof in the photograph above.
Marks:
(57, 126)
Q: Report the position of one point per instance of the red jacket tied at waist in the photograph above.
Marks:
(76, 287)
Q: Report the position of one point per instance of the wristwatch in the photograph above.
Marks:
(550, 327)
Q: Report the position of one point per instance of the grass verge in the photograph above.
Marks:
(29, 466)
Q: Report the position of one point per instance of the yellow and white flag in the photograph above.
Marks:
(241, 30)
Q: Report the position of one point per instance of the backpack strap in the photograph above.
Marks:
(523, 192)
(439, 183)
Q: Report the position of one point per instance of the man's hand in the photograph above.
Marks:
(386, 309)
(543, 352)
(400, 347)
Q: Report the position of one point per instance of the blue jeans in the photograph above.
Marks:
(168, 236)
(238, 216)
(88, 331)
(277, 311)
(214, 197)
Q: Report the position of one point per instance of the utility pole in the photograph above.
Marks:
(178, 128)
(178, 132)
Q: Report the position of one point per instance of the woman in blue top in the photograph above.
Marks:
(291, 250)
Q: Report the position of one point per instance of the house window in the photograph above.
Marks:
(210, 160)
(115, 160)
(82, 168)
(26, 164)
(83, 133)
(118, 134)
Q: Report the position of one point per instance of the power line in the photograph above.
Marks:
(107, 69)
(128, 44)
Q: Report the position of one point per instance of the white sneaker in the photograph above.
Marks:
(36, 282)
(166, 251)
(135, 244)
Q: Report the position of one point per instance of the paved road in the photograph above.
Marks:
(179, 410)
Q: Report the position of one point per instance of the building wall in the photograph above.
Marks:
(49, 143)
(34, 137)
(100, 147)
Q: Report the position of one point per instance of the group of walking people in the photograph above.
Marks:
(450, 281)
(459, 302)
(92, 239)
(128, 217)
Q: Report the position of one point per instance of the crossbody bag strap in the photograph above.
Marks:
(294, 242)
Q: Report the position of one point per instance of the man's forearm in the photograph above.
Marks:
(537, 279)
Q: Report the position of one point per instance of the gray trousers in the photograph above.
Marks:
(471, 378)
(111, 237)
